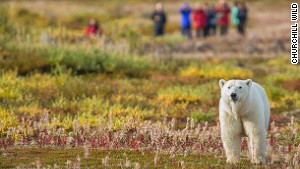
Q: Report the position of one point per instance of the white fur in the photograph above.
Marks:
(248, 116)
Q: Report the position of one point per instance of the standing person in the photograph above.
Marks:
(234, 14)
(212, 20)
(205, 10)
(242, 17)
(223, 12)
(93, 28)
(185, 12)
(199, 21)
(159, 18)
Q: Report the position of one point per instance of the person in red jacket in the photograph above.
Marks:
(200, 21)
(93, 28)
(223, 12)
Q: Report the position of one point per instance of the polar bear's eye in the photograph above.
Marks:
(240, 87)
(229, 87)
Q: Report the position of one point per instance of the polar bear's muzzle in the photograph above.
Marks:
(234, 97)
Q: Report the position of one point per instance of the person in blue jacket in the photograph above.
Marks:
(185, 24)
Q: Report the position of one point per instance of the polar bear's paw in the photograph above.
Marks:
(232, 160)
(258, 160)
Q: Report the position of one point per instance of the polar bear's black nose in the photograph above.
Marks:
(233, 96)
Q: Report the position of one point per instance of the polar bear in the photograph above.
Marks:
(244, 111)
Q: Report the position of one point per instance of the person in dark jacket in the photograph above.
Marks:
(159, 18)
(242, 17)
(199, 21)
(223, 12)
(206, 28)
(185, 12)
(212, 20)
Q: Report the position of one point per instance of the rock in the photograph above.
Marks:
(251, 48)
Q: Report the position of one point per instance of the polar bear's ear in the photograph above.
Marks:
(222, 83)
(249, 82)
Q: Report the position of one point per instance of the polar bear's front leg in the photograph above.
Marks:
(231, 130)
(232, 146)
(258, 147)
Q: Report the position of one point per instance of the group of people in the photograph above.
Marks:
(204, 19)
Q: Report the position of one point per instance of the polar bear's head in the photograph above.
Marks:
(234, 90)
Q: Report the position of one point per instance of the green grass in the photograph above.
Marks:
(49, 157)
(12, 158)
